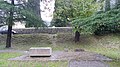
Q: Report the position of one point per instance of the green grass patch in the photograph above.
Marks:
(7, 55)
(33, 64)
(114, 63)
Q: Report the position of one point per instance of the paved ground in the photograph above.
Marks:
(81, 63)
(76, 59)
(61, 55)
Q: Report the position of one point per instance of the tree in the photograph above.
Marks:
(2, 17)
(32, 11)
(34, 5)
(10, 22)
(107, 5)
(100, 23)
(61, 13)
(83, 9)
(69, 10)
(19, 13)
(117, 3)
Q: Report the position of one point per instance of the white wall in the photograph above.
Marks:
(47, 9)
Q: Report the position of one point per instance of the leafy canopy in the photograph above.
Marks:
(100, 23)
(68, 10)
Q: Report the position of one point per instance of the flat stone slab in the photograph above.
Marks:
(61, 55)
(40, 51)
(81, 63)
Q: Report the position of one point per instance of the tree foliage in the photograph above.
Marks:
(101, 23)
(107, 5)
(117, 3)
(68, 10)
(21, 13)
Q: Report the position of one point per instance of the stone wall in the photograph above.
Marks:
(50, 30)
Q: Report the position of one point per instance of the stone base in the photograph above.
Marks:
(40, 51)
(65, 56)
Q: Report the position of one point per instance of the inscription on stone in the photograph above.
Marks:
(40, 51)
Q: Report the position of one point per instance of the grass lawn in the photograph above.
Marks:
(114, 64)
(108, 45)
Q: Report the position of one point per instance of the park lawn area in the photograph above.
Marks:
(108, 45)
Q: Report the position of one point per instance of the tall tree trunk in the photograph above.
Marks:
(107, 5)
(10, 22)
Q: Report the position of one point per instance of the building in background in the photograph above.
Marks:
(47, 9)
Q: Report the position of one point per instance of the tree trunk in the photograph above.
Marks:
(37, 7)
(8, 41)
(77, 36)
(107, 5)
